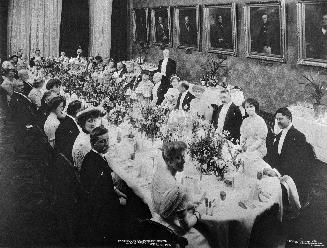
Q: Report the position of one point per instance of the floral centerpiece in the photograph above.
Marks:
(151, 121)
(214, 153)
(117, 115)
(207, 151)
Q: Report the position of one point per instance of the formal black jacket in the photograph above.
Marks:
(27, 88)
(186, 104)
(165, 81)
(233, 120)
(104, 202)
(296, 159)
(66, 135)
(22, 109)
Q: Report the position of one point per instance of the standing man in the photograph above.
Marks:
(227, 117)
(167, 67)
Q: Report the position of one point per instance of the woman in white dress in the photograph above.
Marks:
(253, 139)
(172, 94)
(198, 106)
(88, 120)
(56, 107)
(144, 89)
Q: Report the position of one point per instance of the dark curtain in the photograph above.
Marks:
(74, 28)
(119, 30)
(3, 28)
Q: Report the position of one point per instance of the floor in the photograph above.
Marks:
(28, 219)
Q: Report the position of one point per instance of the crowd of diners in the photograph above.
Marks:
(81, 136)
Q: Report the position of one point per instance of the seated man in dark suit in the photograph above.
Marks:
(185, 97)
(96, 178)
(227, 117)
(22, 109)
(290, 154)
(68, 131)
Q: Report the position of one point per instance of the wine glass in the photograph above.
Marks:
(222, 195)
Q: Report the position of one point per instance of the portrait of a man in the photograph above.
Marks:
(221, 33)
(316, 31)
(162, 31)
(188, 28)
(265, 29)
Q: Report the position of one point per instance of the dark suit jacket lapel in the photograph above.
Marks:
(287, 140)
(228, 114)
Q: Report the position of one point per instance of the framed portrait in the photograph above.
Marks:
(161, 26)
(312, 32)
(220, 28)
(141, 24)
(187, 22)
(265, 28)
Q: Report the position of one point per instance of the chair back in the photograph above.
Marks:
(151, 230)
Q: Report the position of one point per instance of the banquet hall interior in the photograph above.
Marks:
(150, 123)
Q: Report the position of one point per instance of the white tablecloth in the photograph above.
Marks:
(138, 175)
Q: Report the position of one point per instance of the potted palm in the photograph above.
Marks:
(316, 88)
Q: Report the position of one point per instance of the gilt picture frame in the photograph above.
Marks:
(265, 30)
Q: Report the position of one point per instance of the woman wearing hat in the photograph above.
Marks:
(177, 213)
(56, 108)
(88, 120)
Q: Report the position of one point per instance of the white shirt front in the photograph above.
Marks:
(164, 66)
(50, 126)
(222, 117)
(182, 99)
(323, 31)
(117, 73)
(282, 138)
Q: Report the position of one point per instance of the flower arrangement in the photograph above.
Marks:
(316, 87)
(151, 121)
(207, 151)
(117, 115)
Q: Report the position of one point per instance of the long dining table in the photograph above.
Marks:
(138, 173)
